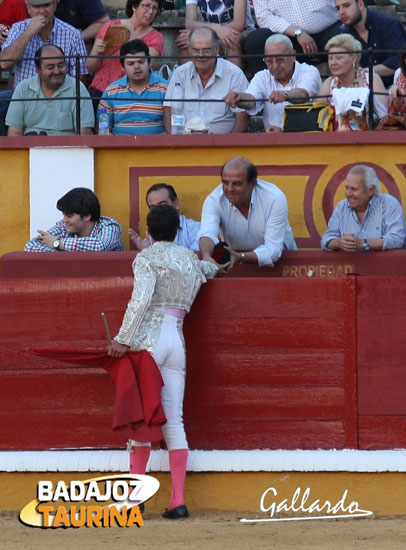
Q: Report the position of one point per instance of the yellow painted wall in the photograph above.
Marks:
(112, 174)
(14, 199)
(112, 179)
(381, 493)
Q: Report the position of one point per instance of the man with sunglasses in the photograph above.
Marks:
(284, 81)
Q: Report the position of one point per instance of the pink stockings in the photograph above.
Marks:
(139, 459)
(177, 463)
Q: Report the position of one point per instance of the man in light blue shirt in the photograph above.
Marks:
(366, 219)
(162, 193)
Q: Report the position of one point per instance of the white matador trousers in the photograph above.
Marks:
(170, 357)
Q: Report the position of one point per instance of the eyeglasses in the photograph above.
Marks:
(205, 52)
(149, 7)
(271, 60)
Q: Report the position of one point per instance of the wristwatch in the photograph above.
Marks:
(366, 245)
(56, 243)
(298, 32)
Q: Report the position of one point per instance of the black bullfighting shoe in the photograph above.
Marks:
(180, 512)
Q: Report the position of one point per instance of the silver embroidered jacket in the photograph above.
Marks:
(165, 274)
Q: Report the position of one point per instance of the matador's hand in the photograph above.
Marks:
(117, 350)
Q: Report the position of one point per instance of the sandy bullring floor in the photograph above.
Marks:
(213, 530)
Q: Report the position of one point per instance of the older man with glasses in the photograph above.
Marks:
(284, 81)
(206, 80)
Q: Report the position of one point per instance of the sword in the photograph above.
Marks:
(106, 326)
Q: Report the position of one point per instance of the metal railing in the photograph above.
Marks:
(78, 97)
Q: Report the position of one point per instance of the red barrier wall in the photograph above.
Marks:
(286, 361)
(381, 322)
(270, 365)
(297, 264)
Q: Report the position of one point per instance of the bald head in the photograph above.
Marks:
(204, 33)
(51, 67)
(48, 51)
(243, 165)
(204, 47)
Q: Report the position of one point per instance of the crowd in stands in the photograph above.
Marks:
(229, 68)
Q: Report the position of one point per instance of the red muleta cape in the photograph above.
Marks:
(138, 413)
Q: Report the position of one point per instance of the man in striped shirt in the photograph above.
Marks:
(134, 103)
(366, 219)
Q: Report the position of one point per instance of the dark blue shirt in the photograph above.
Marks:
(384, 33)
(80, 13)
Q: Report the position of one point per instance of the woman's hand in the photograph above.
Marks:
(98, 47)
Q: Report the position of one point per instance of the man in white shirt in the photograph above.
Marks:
(208, 77)
(310, 23)
(250, 214)
(285, 81)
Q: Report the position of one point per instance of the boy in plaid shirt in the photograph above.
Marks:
(81, 229)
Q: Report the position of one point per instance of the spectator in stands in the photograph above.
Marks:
(397, 92)
(81, 229)
(134, 103)
(396, 117)
(162, 193)
(56, 117)
(141, 15)
(375, 30)
(87, 15)
(366, 219)
(24, 39)
(285, 81)
(208, 77)
(11, 11)
(228, 19)
(27, 36)
(310, 24)
(250, 214)
(344, 67)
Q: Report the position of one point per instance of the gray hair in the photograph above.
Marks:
(370, 176)
(279, 39)
(204, 30)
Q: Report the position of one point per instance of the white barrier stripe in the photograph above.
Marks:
(85, 460)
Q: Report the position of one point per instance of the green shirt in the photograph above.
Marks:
(53, 116)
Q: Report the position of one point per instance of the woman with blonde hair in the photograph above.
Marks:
(141, 14)
(344, 53)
